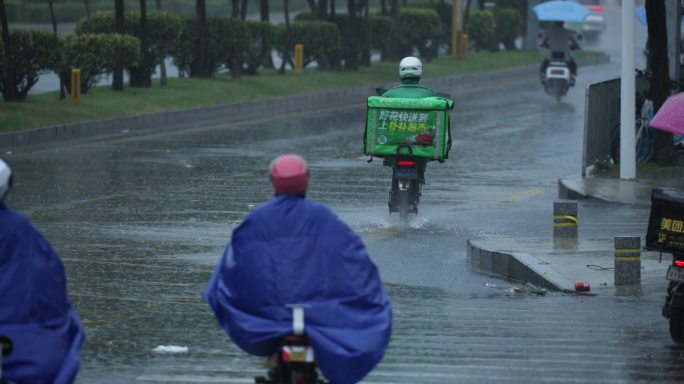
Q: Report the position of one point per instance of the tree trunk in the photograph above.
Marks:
(660, 81)
(163, 81)
(87, 8)
(203, 37)
(243, 10)
(62, 94)
(9, 82)
(312, 7)
(286, 56)
(265, 16)
(235, 8)
(351, 8)
(117, 78)
(144, 78)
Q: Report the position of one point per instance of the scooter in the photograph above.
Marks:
(558, 78)
(665, 234)
(406, 185)
(673, 310)
(296, 363)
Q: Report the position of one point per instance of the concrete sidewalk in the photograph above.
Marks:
(559, 265)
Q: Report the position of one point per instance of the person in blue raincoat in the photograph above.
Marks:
(35, 310)
(292, 250)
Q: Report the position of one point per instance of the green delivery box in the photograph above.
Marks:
(421, 123)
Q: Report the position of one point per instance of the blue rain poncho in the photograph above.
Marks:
(295, 251)
(35, 310)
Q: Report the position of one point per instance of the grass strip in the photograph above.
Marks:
(181, 93)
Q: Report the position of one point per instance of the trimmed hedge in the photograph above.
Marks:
(354, 39)
(481, 29)
(419, 29)
(508, 27)
(321, 40)
(228, 41)
(261, 35)
(33, 53)
(163, 31)
(97, 54)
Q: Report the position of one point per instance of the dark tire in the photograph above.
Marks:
(557, 90)
(677, 326)
(403, 205)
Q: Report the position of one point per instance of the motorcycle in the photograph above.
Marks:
(673, 310)
(558, 78)
(295, 361)
(665, 234)
(5, 350)
(405, 192)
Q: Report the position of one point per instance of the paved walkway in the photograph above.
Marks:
(561, 264)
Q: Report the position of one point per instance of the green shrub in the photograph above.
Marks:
(97, 54)
(354, 38)
(163, 31)
(321, 40)
(419, 28)
(380, 34)
(508, 27)
(481, 29)
(260, 45)
(33, 53)
(228, 40)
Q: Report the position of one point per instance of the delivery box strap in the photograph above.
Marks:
(437, 132)
(373, 130)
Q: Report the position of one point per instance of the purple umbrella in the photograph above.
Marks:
(670, 117)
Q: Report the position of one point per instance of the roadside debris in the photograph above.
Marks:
(530, 289)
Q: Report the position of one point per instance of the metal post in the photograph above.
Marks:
(463, 47)
(75, 85)
(565, 220)
(673, 12)
(627, 97)
(627, 260)
(299, 58)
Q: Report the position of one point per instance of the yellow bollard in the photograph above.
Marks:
(463, 46)
(299, 58)
(75, 85)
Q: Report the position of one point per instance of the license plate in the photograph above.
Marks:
(298, 354)
(406, 173)
(675, 273)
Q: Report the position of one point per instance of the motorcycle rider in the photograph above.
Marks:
(410, 71)
(36, 313)
(560, 43)
(291, 250)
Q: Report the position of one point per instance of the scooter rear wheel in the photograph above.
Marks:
(403, 205)
(677, 326)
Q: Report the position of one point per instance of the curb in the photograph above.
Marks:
(516, 266)
(168, 121)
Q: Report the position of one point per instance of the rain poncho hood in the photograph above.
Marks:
(295, 251)
(35, 310)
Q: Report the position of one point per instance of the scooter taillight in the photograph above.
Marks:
(679, 263)
(406, 163)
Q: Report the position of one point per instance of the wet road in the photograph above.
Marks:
(141, 223)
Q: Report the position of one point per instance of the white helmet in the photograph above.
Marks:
(410, 67)
(5, 179)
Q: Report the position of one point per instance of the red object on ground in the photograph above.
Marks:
(582, 287)
(595, 8)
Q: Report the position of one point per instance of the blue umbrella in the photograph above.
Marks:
(640, 13)
(561, 10)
